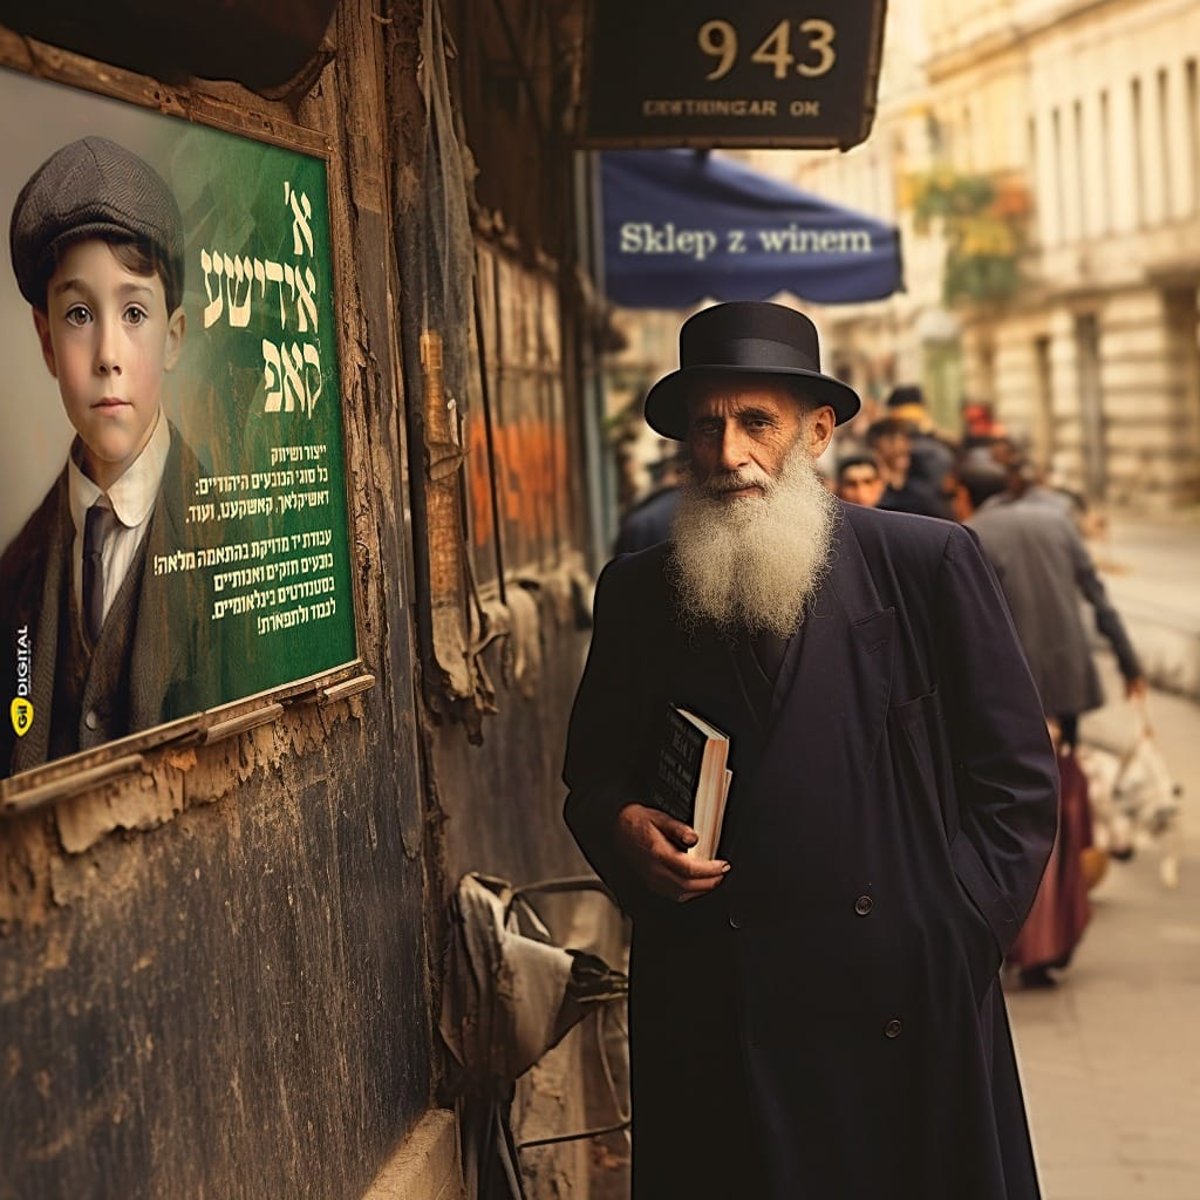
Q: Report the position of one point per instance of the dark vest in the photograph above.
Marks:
(91, 687)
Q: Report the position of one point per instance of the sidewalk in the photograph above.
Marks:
(1152, 572)
(1111, 1057)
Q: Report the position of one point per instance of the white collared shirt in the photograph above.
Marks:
(131, 499)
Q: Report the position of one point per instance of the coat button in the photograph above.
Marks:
(91, 719)
(735, 921)
(893, 1028)
(863, 905)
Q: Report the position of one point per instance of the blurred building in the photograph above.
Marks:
(1042, 158)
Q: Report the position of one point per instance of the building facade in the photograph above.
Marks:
(1043, 161)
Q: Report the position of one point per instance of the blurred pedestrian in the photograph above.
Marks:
(890, 441)
(979, 421)
(649, 521)
(933, 457)
(858, 480)
(814, 1013)
(1044, 569)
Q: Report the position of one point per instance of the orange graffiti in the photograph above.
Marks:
(479, 481)
(531, 478)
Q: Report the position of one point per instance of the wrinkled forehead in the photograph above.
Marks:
(728, 397)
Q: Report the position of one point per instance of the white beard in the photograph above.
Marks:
(753, 563)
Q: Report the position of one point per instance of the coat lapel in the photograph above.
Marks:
(163, 617)
(831, 697)
(153, 649)
(31, 750)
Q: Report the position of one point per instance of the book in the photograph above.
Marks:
(691, 780)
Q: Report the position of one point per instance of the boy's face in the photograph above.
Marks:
(108, 339)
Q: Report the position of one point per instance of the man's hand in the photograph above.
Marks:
(1135, 688)
(653, 844)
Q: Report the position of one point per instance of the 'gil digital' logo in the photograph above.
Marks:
(21, 709)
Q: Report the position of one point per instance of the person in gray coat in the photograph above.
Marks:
(1045, 570)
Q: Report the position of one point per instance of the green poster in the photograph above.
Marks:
(174, 516)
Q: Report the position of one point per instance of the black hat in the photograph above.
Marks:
(91, 188)
(745, 338)
(905, 394)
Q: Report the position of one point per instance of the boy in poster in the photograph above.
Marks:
(97, 249)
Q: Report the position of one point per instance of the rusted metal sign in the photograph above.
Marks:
(757, 73)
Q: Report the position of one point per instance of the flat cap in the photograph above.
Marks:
(91, 188)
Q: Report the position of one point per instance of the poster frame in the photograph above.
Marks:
(71, 774)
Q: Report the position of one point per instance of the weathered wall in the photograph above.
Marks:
(230, 1006)
(214, 976)
(217, 973)
(502, 800)
(505, 552)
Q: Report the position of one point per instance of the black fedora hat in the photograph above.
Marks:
(740, 339)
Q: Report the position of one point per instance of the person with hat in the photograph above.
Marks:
(890, 441)
(927, 483)
(816, 1011)
(97, 249)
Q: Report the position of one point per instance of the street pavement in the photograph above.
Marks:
(1152, 572)
(1111, 1057)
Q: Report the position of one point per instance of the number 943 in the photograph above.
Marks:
(719, 39)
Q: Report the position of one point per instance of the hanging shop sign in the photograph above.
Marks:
(171, 359)
(758, 73)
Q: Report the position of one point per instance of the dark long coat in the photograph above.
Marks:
(828, 1023)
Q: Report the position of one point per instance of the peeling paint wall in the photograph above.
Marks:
(214, 973)
(495, 773)
(502, 799)
(213, 1009)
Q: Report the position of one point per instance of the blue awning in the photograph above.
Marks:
(681, 227)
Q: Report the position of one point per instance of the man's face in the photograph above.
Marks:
(740, 436)
(752, 534)
(107, 338)
(894, 451)
(860, 484)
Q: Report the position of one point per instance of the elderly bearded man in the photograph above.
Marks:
(816, 1013)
